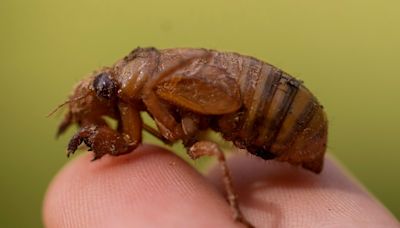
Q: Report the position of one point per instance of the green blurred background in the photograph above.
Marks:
(347, 53)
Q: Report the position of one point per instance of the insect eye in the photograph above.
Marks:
(104, 86)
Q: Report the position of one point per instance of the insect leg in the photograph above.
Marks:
(208, 148)
(64, 124)
(165, 121)
(77, 139)
(130, 124)
(100, 139)
(155, 133)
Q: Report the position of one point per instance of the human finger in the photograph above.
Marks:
(150, 187)
(275, 194)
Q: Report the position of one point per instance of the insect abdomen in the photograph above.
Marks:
(279, 119)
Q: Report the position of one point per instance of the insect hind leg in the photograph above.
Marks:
(207, 148)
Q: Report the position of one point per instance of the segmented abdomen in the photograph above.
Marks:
(279, 119)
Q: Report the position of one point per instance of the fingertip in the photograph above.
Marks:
(148, 187)
(82, 181)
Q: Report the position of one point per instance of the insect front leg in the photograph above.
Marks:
(102, 140)
(67, 121)
(130, 124)
(208, 148)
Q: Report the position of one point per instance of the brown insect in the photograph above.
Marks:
(251, 103)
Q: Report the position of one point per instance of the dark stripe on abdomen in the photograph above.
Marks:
(277, 111)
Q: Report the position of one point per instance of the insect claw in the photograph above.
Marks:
(95, 158)
(69, 153)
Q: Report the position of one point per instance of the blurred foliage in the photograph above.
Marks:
(347, 53)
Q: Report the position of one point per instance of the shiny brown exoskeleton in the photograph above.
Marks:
(251, 103)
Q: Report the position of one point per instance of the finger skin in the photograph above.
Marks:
(275, 194)
(149, 187)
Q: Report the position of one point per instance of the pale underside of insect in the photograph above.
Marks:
(253, 104)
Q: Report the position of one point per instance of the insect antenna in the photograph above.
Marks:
(65, 103)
